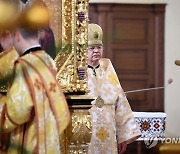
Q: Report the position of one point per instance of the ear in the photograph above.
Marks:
(17, 36)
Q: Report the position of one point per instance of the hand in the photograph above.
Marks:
(122, 147)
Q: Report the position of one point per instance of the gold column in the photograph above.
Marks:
(73, 54)
(71, 58)
(78, 134)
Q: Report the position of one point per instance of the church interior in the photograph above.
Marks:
(141, 38)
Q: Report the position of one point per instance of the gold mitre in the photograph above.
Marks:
(95, 34)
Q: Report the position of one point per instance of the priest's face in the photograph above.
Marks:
(94, 54)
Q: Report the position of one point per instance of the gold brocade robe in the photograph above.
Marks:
(7, 60)
(35, 111)
(114, 123)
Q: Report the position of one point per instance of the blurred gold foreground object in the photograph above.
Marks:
(168, 148)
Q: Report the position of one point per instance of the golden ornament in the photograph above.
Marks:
(99, 102)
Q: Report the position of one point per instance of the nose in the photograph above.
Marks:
(96, 50)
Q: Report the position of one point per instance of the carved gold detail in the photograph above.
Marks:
(81, 125)
(76, 137)
(78, 134)
(3, 89)
(82, 97)
(73, 55)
